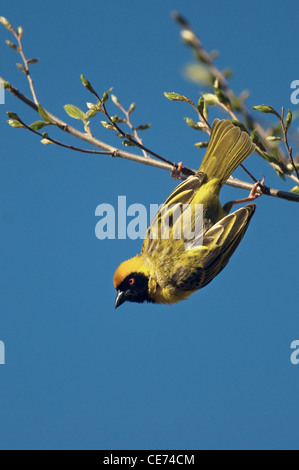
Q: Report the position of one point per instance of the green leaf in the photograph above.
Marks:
(265, 108)
(74, 112)
(222, 97)
(210, 99)
(36, 126)
(271, 157)
(91, 113)
(13, 116)
(256, 140)
(43, 113)
(295, 190)
(201, 105)
(172, 96)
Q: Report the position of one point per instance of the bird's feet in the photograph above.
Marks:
(254, 194)
(176, 173)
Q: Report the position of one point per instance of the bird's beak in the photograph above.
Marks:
(121, 297)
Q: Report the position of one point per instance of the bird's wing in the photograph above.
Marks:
(168, 219)
(198, 266)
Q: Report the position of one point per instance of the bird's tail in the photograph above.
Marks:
(228, 148)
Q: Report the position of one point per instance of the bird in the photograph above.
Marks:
(170, 269)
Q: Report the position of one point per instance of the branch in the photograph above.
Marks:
(114, 152)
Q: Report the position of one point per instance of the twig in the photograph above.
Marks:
(137, 158)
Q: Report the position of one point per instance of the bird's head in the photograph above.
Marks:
(132, 282)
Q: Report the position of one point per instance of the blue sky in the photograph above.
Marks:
(213, 372)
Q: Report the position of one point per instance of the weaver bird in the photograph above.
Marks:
(169, 270)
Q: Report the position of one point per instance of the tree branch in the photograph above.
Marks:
(115, 152)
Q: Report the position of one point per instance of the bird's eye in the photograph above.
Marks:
(131, 281)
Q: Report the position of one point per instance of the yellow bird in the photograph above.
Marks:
(170, 268)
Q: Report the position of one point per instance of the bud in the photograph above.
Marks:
(22, 68)
(12, 45)
(132, 108)
(188, 37)
(143, 127)
(115, 100)
(289, 119)
(20, 31)
(15, 124)
(32, 61)
(6, 23)
(201, 145)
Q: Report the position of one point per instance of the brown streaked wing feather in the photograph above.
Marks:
(219, 244)
(183, 194)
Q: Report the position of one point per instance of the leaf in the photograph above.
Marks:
(295, 190)
(91, 113)
(74, 112)
(210, 99)
(265, 108)
(201, 105)
(172, 96)
(12, 115)
(43, 113)
(37, 125)
(222, 97)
